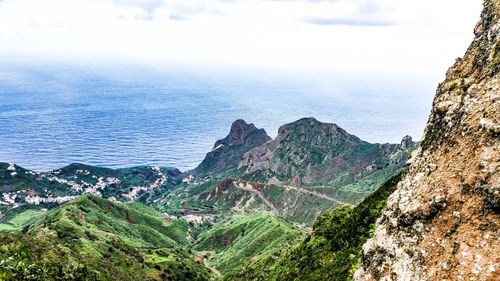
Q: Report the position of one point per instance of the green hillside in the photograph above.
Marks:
(22, 189)
(333, 252)
(113, 241)
(242, 239)
(243, 214)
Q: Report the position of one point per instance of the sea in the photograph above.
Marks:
(52, 115)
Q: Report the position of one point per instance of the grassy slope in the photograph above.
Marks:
(296, 206)
(111, 240)
(241, 239)
(20, 220)
(184, 197)
(355, 192)
(333, 253)
(193, 198)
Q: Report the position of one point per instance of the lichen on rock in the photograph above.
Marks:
(443, 221)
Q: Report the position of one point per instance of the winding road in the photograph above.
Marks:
(249, 187)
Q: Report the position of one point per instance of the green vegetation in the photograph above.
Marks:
(296, 206)
(190, 197)
(237, 234)
(453, 85)
(113, 241)
(333, 253)
(355, 192)
(12, 269)
(241, 239)
(20, 220)
(91, 238)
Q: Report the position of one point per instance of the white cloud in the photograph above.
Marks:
(303, 34)
(144, 4)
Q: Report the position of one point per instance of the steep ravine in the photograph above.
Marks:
(442, 222)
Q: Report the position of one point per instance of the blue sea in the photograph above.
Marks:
(54, 115)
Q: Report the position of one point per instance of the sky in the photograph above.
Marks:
(402, 36)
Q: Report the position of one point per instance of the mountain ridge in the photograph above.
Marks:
(309, 152)
(27, 190)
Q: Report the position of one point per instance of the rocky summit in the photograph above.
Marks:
(442, 222)
(227, 152)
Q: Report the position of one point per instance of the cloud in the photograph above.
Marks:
(177, 17)
(285, 34)
(368, 7)
(352, 13)
(331, 1)
(323, 12)
(148, 8)
(148, 15)
(349, 21)
(184, 10)
(143, 4)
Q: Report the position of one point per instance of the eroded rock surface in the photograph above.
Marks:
(442, 223)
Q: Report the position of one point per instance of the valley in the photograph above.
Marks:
(218, 218)
(314, 203)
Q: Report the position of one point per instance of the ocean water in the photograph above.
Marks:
(53, 116)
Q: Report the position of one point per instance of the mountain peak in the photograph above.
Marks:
(312, 126)
(307, 120)
(228, 151)
(238, 133)
(407, 142)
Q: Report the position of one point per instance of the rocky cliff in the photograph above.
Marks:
(442, 223)
(227, 152)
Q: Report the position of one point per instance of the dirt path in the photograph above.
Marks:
(248, 187)
(324, 196)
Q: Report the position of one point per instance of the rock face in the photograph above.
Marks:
(227, 152)
(308, 152)
(443, 221)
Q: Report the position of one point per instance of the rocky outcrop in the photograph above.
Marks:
(443, 221)
(308, 152)
(227, 152)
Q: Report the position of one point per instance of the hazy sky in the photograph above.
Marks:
(351, 35)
